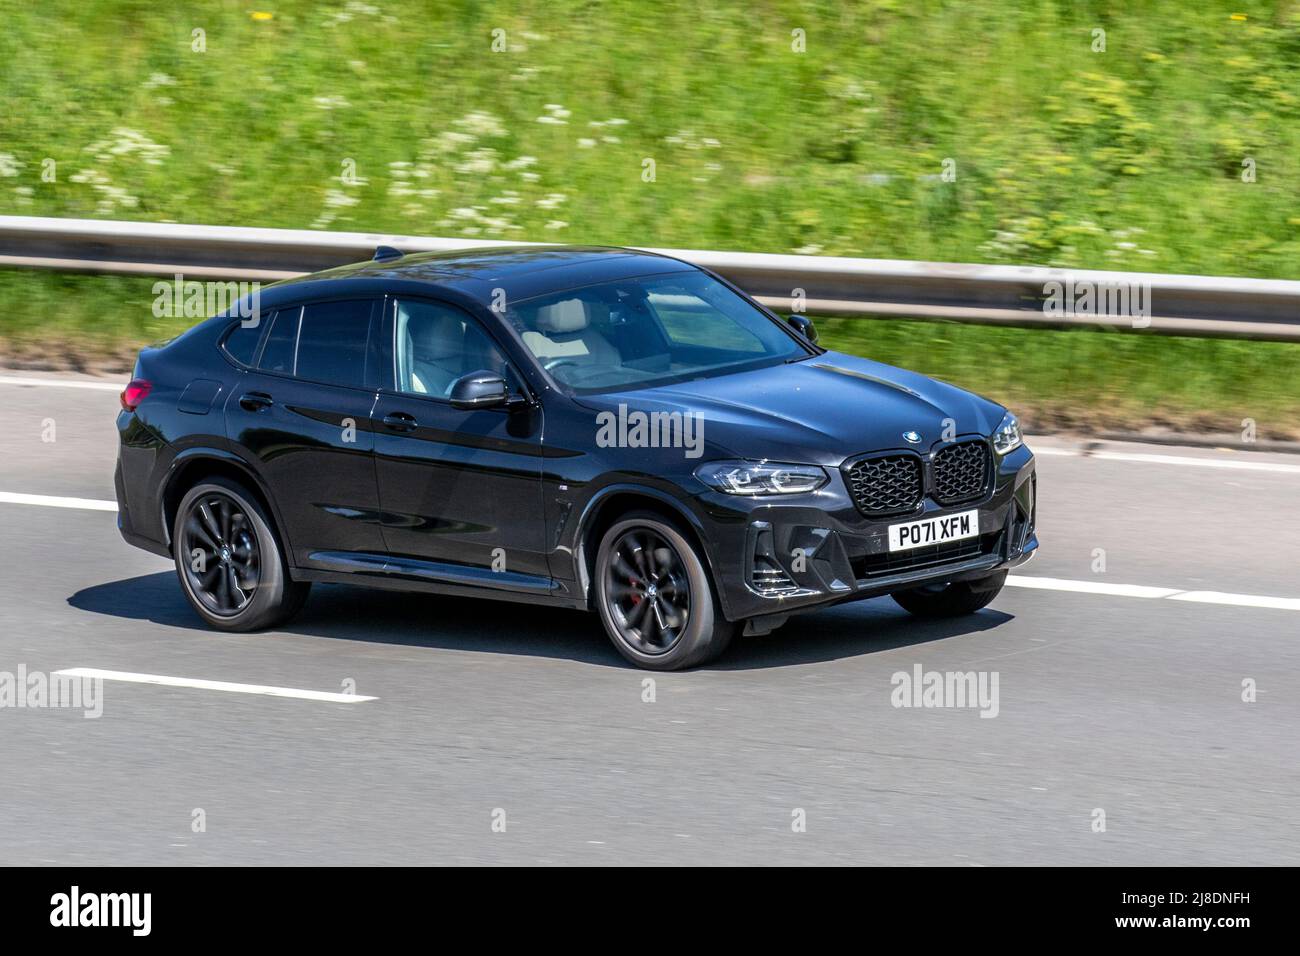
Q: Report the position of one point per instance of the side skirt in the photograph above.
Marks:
(434, 577)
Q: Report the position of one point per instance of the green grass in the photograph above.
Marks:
(1125, 159)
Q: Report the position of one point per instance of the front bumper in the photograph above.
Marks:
(774, 556)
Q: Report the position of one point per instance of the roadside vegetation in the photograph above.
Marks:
(1162, 136)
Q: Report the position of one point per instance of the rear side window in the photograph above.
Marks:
(277, 354)
(241, 341)
(332, 343)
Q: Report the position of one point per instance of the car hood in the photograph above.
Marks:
(820, 410)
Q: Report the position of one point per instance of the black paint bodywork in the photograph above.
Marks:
(504, 502)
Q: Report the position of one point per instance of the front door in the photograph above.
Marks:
(459, 488)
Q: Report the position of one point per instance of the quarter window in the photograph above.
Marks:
(241, 341)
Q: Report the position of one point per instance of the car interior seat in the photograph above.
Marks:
(435, 343)
(564, 331)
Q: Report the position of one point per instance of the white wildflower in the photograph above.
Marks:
(478, 161)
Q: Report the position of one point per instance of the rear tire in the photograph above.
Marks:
(953, 599)
(655, 598)
(231, 567)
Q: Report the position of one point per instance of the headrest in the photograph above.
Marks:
(435, 335)
(561, 317)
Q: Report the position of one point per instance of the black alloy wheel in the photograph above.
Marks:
(648, 591)
(222, 560)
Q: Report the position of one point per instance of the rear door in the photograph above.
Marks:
(303, 417)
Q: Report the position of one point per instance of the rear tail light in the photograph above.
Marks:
(135, 393)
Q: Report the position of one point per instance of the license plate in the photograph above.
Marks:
(927, 531)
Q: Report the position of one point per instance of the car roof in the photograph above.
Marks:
(522, 272)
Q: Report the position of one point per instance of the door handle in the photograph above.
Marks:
(255, 401)
(400, 422)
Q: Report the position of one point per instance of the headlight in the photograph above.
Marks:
(1007, 438)
(760, 478)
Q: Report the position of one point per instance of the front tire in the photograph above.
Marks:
(230, 564)
(655, 598)
(953, 599)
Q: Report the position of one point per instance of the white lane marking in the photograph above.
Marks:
(1197, 462)
(1239, 600)
(215, 685)
(54, 501)
(1142, 591)
(1148, 459)
(1090, 587)
(61, 383)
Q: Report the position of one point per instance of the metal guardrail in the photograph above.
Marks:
(818, 285)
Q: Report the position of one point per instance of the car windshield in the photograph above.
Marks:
(649, 330)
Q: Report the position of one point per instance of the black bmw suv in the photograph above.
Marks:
(586, 427)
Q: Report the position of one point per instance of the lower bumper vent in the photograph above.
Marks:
(766, 576)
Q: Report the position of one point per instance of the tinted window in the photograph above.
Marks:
(277, 354)
(437, 344)
(332, 342)
(241, 341)
(690, 319)
(648, 331)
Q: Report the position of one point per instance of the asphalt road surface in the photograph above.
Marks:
(1119, 690)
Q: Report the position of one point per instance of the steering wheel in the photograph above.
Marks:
(557, 362)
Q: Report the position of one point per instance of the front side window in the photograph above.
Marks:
(437, 344)
(649, 330)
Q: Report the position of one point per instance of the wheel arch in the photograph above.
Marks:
(195, 464)
(610, 503)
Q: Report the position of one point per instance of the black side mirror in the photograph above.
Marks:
(804, 326)
(481, 389)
